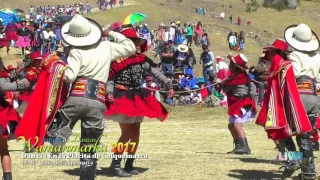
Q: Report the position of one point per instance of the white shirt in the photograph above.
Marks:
(306, 65)
(221, 65)
(232, 39)
(46, 35)
(94, 63)
(172, 31)
(153, 85)
(166, 36)
(38, 16)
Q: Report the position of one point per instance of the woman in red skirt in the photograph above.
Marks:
(9, 118)
(128, 103)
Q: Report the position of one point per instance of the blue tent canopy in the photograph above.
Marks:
(8, 18)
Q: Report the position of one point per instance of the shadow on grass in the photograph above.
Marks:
(253, 174)
(209, 153)
(99, 172)
(255, 160)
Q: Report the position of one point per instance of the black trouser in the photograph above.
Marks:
(189, 38)
(262, 89)
(90, 138)
(304, 141)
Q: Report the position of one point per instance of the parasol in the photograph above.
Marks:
(134, 18)
(9, 11)
(19, 11)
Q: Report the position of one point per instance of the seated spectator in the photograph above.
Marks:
(188, 81)
(152, 86)
(222, 68)
(195, 95)
(203, 90)
(210, 83)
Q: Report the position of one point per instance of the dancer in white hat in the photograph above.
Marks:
(88, 69)
(306, 65)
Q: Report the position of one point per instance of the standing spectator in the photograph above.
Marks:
(88, 8)
(172, 31)
(31, 9)
(207, 60)
(189, 35)
(205, 40)
(232, 41)
(166, 35)
(167, 60)
(241, 40)
(199, 32)
(121, 2)
(159, 35)
(230, 18)
(239, 21)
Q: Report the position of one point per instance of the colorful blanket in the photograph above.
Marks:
(282, 113)
(50, 95)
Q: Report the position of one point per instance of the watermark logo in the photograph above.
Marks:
(290, 156)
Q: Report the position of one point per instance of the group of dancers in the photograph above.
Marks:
(105, 83)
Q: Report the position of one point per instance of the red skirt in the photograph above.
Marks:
(12, 35)
(136, 103)
(9, 118)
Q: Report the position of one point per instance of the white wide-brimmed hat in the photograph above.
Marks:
(301, 38)
(183, 48)
(80, 31)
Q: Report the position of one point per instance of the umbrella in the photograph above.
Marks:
(19, 11)
(134, 18)
(9, 11)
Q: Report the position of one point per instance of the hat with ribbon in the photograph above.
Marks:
(183, 48)
(219, 58)
(10, 67)
(132, 34)
(279, 44)
(36, 56)
(240, 61)
(80, 31)
(302, 38)
(149, 78)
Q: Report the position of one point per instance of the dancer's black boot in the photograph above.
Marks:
(7, 176)
(241, 147)
(308, 171)
(129, 167)
(116, 170)
(88, 160)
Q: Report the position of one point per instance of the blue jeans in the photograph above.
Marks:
(167, 69)
(207, 72)
(241, 45)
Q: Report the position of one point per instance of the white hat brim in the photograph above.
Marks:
(311, 46)
(94, 36)
(185, 50)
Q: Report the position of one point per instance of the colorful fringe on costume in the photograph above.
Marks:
(282, 112)
(50, 93)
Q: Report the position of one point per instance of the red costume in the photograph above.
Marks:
(130, 100)
(282, 112)
(50, 95)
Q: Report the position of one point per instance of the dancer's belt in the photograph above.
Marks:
(123, 87)
(89, 88)
(306, 86)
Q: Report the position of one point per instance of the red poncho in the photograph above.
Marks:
(50, 93)
(282, 112)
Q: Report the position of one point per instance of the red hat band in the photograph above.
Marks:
(35, 55)
(280, 44)
(10, 67)
(240, 60)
